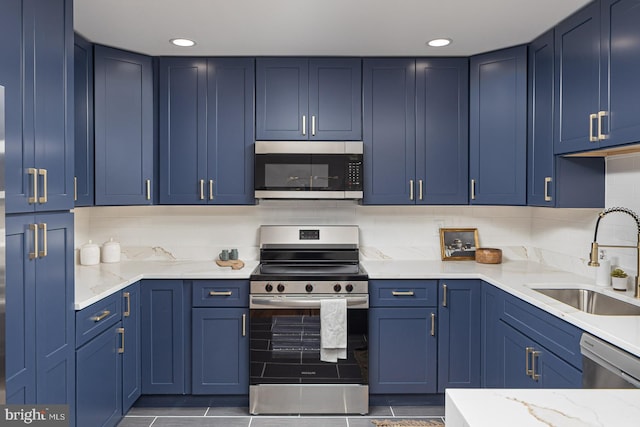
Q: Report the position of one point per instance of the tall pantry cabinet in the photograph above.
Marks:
(36, 47)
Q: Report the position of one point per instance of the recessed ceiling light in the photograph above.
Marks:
(439, 42)
(182, 42)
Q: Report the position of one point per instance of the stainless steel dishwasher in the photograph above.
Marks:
(607, 366)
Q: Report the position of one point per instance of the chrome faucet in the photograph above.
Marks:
(593, 257)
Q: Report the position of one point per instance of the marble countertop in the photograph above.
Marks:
(92, 283)
(535, 408)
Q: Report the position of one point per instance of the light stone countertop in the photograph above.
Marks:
(542, 407)
(93, 283)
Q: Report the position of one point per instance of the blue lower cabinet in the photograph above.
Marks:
(516, 351)
(492, 301)
(99, 380)
(459, 333)
(220, 357)
(131, 358)
(554, 372)
(402, 350)
(165, 319)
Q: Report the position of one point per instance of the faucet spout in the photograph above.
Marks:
(593, 255)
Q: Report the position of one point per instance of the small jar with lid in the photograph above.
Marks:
(110, 251)
(89, 254)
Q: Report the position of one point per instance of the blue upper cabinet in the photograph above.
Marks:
(577, 50)
(39, 44)
(124, 135)
(498, 127)
(83, 119)
(619, 64)
(442, 131)
(206, 130)
(389, 131)
(302, 99)
(567, 182)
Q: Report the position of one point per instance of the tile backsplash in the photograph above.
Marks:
(559, 237)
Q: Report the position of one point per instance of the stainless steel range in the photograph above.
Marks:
(301, 269)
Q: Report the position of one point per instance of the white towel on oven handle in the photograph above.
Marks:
(333, 329)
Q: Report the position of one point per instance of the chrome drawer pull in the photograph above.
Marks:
(220, 293)
(402, 293)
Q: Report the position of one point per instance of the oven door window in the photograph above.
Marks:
(285, 349)
(300, 172)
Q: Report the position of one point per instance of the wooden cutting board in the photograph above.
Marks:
(235, 264)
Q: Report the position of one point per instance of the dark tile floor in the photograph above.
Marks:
(240, 417)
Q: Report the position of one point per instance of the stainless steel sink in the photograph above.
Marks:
(591, 302)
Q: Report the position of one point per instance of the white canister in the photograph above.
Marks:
(110, 251)
(89, 254)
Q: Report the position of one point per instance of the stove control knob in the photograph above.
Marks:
(309, 288)
(337, 287)
(280, 287)
(349, 287)
(268, 287)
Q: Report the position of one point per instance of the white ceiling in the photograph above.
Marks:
(317, 27)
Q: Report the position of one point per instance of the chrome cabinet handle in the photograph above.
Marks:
(127, 297)
(592, 138)
(410, 189)
(244, 325)
(202, 189)
(534, 356)
(210, 189)
(444, 295)
(220, 293)
(304, 125)
(75, 188)
(420, 189)
(34, 228)
(601, 114)
(98, 318)
(148, 189)
(473, 189)
(402, 293)
(121, 332)
(313, 125)
(43, 252)
(547, 181)
(33, 172)
(43, 174)
(527, 366)
(433, 324)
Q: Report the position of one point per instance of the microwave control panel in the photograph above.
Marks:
(354, 175)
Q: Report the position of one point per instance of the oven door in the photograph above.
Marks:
(285, 357)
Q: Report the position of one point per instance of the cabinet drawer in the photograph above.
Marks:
(98, 317)
(555, 334)
(403, 293)
(221, 293)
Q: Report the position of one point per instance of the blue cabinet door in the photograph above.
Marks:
(220, 351)
(335, 99)
(516, 351)
(498, 127)
(459, 333)
(389, 131)
(164, 327)
(183, 130)
(282, 99)
(230, 131)
(99, 373)
(83, 121)
(492, 301)
(577, 79)
(20, 311)
(442, 131)
(40, 316)
(131, 358)
(40, 160)
(554, 372)
(619, 62)
(402, 350)
(123, 127)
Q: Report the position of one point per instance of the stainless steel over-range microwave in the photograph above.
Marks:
(308, 169)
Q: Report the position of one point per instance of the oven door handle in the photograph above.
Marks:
(259, 302)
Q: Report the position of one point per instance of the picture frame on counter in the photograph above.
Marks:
(458, 244)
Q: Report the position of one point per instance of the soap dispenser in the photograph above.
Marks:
(603, 271)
